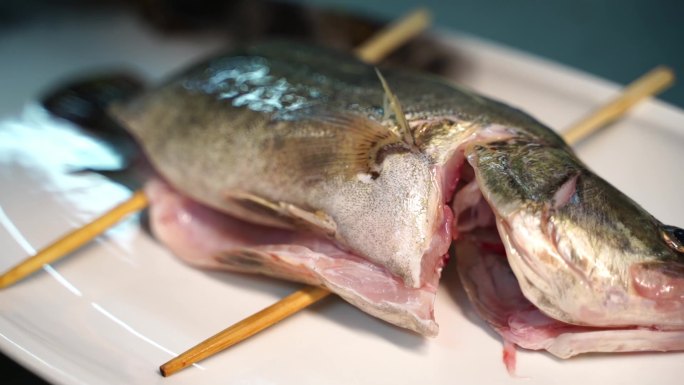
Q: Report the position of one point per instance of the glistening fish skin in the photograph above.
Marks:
(301, 138)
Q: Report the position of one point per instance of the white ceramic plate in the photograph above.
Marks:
(115, 310)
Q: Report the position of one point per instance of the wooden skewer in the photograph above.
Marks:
(74, 240)
(394, 35)
(246, 328)
(651, 83)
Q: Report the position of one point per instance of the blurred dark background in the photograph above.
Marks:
(618, 40)
(614, 39)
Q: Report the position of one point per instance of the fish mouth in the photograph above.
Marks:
(661, 282)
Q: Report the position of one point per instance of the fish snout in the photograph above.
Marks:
(663, 283)
(663, 280)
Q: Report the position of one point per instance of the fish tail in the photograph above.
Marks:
(85, 101)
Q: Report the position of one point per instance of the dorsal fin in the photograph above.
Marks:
(391, 99)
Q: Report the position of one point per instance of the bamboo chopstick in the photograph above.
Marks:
(74, 239)
(371, 51)
(649, 84)
(246, 328)
(394, 35)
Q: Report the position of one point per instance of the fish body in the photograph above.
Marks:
(296, 152)
(334, 175)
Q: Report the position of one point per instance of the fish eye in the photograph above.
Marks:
(674, 237)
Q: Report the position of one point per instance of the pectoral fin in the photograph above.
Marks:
(351, 146)
(283, 214)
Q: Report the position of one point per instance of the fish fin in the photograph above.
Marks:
(287, 214)
(353, 145)
(318, 220)
(386, 106)
(391, 100)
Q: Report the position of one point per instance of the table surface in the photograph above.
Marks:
(617, 40)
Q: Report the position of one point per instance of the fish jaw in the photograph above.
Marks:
(586, 295)
(494, 291)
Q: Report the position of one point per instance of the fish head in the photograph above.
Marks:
(582, 251)
(595, 266)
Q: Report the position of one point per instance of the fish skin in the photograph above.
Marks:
(281, 124)
(274, 111)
